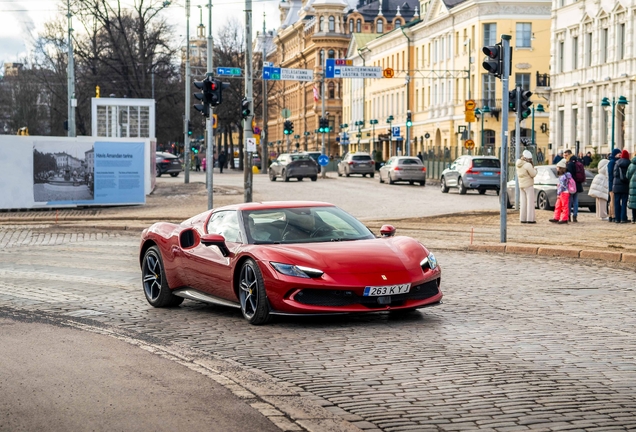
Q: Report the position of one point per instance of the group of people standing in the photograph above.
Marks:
(614, 187)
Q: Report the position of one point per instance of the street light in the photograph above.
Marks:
(622, 100)
(482, 113)
(538, 109)
(373, 123)
(389, 120)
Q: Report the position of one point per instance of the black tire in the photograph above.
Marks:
(154, 282)
(347, 173)
(339, 173)
(174, 174)
(542, 201)
(314, 178)
(482, 191)
(372, 175)
(272, 176)
(442, 184)
(423, 183)
(300, 178)
(158, 171)
(252, 294)
(285, 176)
(391, 179)
(461, 187)
(592, 209)
(380, 177)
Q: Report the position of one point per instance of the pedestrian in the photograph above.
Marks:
(577, 170)
(631, 200)
(203, 164)
(197, 163)
(540, 157)
(587, 159)
(557, 158)
(562, 207)
(621, 187)
(616, 153)
(599, 189)
(222, 160)
(526, 174)
(420, 156)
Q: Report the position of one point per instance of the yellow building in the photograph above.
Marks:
(431, 58)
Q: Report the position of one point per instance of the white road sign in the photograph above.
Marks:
(358, 72)
(297, 74)
(251, 145)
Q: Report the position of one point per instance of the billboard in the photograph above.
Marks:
(65, 172)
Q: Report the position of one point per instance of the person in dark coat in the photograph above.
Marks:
(574, 198)
(616, 153)
(222, 160)
(631, 201)
(558, 157)
(587, 159)
(621, 187)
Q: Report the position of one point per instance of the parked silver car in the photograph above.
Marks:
(294, 165)
(356, 163)
(472, 172)
(545, 186)
(403, 169)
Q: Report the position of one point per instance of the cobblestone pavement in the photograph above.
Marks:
(519, 343)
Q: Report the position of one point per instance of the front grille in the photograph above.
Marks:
(316, 297)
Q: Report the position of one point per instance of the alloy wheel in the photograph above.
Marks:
(152, 276)
(248, 293)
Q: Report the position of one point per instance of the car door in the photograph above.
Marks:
(453, 172)
(384, 171)
(278, 164)
(210, 271)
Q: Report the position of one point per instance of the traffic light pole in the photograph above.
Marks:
(518, 145)
(503, 181)
(71, 77)
(323, 170)
(248, 133)
(264, 133)
(186, 120)
(209, 148)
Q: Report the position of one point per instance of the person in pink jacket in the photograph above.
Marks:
(203, 164)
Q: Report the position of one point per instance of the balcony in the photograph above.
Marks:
(543, 80)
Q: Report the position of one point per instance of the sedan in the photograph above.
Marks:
(472, 172)
(294, 165)
(356, 163)
(403, 169)
(286, 258)
(167, 163)
(545, 187)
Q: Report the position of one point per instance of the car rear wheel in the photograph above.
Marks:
(372, 175)
(592, 209)
(347, 174)
(339, 173)
(174, 174)
(300, 178)
(461, 186)
(158, 171)
(252, 295)
(542, 201)
(443, 186)
(314, 178)
(422, 183)
(391, 179)
(155, 284)
(285, 176)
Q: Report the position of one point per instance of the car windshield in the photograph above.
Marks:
(410, 162)
(486, 163)
(361, 158)
(303, 225)
(296, 157)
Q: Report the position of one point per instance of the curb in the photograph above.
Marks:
(521, 249)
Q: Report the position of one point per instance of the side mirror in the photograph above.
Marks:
(387, 231)
(448, 166)
(216, 240)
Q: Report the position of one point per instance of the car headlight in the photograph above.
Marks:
(430, 262)
(298, 271)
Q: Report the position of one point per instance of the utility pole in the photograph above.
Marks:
(503, 181)
(469, 92)
(323, 170)
(186, 118)
(209, 149)
(70, 72)
(517, 144)
(264, 134)
(248, 133)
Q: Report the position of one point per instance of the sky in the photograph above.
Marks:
(21, 20)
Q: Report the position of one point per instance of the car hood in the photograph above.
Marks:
(351, 257)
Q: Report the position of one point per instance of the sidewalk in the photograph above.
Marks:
(589, 238)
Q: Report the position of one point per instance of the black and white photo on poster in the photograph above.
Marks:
(63, 171)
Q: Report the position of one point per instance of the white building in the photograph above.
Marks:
(593, 57)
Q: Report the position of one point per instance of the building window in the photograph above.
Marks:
(490, 34)
(488, 90)
(560, 58)
(604, 37)
(332, 24)
(379, 26)
(621, 41)
(588, 49)
(332, 90)
(350, 26)
(359, 26)
(575, 53)
(398, 23)
(435, 45)
(524, 35)
(321, 24)
(523, 80)
(331, 54)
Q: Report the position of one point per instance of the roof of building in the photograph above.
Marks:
(370, 9)
(364, 38)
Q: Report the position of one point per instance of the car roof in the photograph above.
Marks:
(274, 205)
(480, 157)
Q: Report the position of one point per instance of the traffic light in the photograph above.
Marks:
(189, 128)
(288, 127)
(323, 125)
(204, 107)
(409, 120)
(211, 94)
(245, 108)
(524, 104)
(512, 100)
(493, 62)
(195, 149)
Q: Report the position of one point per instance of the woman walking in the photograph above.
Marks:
(631, 201)
(620, 187)
(599, 189)
(526, 174)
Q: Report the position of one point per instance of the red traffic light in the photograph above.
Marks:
(491, 51)
(213, 86)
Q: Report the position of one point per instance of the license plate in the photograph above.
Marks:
(487, 173)
(386, 290)
(304, 166)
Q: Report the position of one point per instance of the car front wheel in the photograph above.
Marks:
(154, 281)
(252, 295)
(443, 186)
(158, 171)
(542, 201)
(272, 176)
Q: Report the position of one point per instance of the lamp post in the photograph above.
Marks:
(373, 122)
(359, 124)
(482, 113)
(622, 100)
(538, 109)
(389, 120)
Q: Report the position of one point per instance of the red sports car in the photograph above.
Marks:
(286, 258)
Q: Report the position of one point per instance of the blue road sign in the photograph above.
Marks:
(395, 131)
(228, 71)
(271, 73)
(331, 68)
(323, 160)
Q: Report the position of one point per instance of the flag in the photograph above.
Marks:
(316, 94)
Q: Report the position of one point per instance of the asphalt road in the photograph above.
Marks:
(364, 197)
(520, 343)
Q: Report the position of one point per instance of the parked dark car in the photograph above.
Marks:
(472, 172)
(294, 165)
(167, 163)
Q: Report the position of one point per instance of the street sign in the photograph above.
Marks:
(469, 116)
(342, 68)
(395, 131)
(283, 74)
(215, 121)
(427, 135)
(250, 144)
(469, 144)
(469, 104)
(323, 160)
(388, 73)
(285, 113)
(228, 71)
